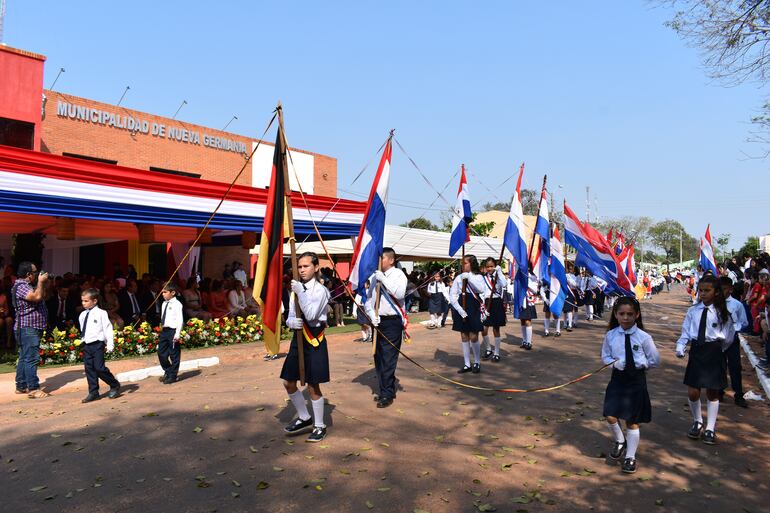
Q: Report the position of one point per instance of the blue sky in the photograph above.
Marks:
(597, 94)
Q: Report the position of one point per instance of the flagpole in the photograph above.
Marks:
(534, 234)
(292, 245)
(462, 260)
(378, 293)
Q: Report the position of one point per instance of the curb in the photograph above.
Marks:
(763, 379)
(133, 376)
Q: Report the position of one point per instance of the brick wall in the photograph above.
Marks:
(145, 150)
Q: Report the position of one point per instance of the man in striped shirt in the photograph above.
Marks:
(28, 296)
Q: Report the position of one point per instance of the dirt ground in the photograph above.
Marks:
(214, 440)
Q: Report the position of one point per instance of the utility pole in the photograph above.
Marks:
(680, 248)
(588, 203)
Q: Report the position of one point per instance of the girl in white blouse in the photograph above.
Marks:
(708, 331)
(631, 351)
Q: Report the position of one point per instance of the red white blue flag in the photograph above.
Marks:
(461, 217)
(706, 258)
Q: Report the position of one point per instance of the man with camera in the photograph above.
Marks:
(28, 296)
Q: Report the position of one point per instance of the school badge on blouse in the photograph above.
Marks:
(636, 347)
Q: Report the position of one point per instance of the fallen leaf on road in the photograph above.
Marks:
(197, 429)
(235, 495)
(369, 504)
(38, 488)
(521, 500)
(253, 449)
(236, 483)
(383, 489)
(278, 469)
(262, 485)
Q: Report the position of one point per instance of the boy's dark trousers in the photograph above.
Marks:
(93, 358)
(386, 357)
(733, 355)
(169, 354)
(446, 312)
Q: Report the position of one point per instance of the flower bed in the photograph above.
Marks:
(65, 346)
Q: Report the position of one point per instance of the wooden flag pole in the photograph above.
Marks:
(292, 245)
(534, 234)
(377, 297)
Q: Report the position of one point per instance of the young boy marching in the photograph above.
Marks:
(97, 335)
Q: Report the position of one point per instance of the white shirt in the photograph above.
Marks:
(394, 283)
(572, 281)
(313, 301)
(643, 348)
(236, 300)
(715, 330)
(99, 327)
(240, 275)
(435, 287)
(738, 314)
(499, 278)
(475, 284)
(171, 313)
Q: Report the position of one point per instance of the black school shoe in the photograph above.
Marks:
(740, 401)
(464, 370)
(318, 434)
(557, 334)
(476, 368)
(629, 466)
(89, 398)
(618, 448)
(299, 426)
(709, 437)
(569, 328)
(384, 402)
(495, 358)
(528, 347)
(114, 392)
(695, 430)
(487, 355)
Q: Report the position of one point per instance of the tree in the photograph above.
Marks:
(634, 228)
(480, 229)
(421, 223)
(722, 241)
(530, 200)
(750, 247)
(667, 236)
(734, 36)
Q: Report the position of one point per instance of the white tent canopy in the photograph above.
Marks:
(409, 244)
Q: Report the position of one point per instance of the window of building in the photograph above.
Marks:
(174, 172)
(19, 134)
(93, 159)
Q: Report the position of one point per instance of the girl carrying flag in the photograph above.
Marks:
(467, 312)
(494, 279)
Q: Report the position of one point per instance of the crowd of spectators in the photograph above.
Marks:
(129, 299)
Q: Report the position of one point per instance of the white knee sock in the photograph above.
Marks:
(546, 324)
(632, 437)
(486, 342)
(616, 432)
(712, 409)
(298, 400)
(433, 319)
(528, 331)
(569, 319)
(695, 409)
(318, 412)
(497, 346)
(467, 353)
(523, 334)
(364, 335)
(476, 346)
(558, 325)
(590, 312)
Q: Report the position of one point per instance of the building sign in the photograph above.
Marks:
(137, 125)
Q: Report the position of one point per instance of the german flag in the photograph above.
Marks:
(268, 280)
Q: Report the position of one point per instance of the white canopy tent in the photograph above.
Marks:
(410, 244)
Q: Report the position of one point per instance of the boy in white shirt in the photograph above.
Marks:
(96, 335)
(171, 322)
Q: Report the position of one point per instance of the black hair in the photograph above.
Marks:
(720, 302)
(191, 281)
(474, 263)
(390, 252)
(725, 281)
(490, 259)
(309, 254)
(24, 269)
(171, 287)
(622, 301)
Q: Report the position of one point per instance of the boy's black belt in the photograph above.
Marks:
(167, 328)
(389, 317)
